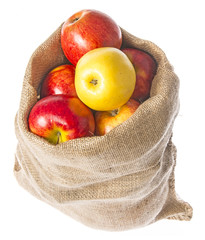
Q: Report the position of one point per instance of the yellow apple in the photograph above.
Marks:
(104, 79)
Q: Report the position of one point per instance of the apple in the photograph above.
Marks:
(59, 81)
(59, 118)
(87, 30)
(107, 120)
(104, 79)
(145, 67)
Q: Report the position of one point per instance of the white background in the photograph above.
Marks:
(177, 27)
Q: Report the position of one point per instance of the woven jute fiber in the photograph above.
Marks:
(119, 181)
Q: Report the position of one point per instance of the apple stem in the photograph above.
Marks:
(114, 112)
(75, 19)
(94, 81)
(58, 137)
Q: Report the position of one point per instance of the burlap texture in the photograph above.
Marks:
(119, 181)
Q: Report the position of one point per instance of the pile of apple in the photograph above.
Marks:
(100, 87)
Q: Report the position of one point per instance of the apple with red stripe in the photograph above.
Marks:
(87, 30)
(59, 118)
(59, 80)
(145, 68)
(107, 120)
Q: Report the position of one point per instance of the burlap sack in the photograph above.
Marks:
(118, 181)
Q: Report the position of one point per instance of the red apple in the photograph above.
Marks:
(87, 30)
(107, 120)
(145, 67)
(59, 81)
(59, 118)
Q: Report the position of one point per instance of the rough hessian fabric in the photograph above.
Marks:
(122, 180)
